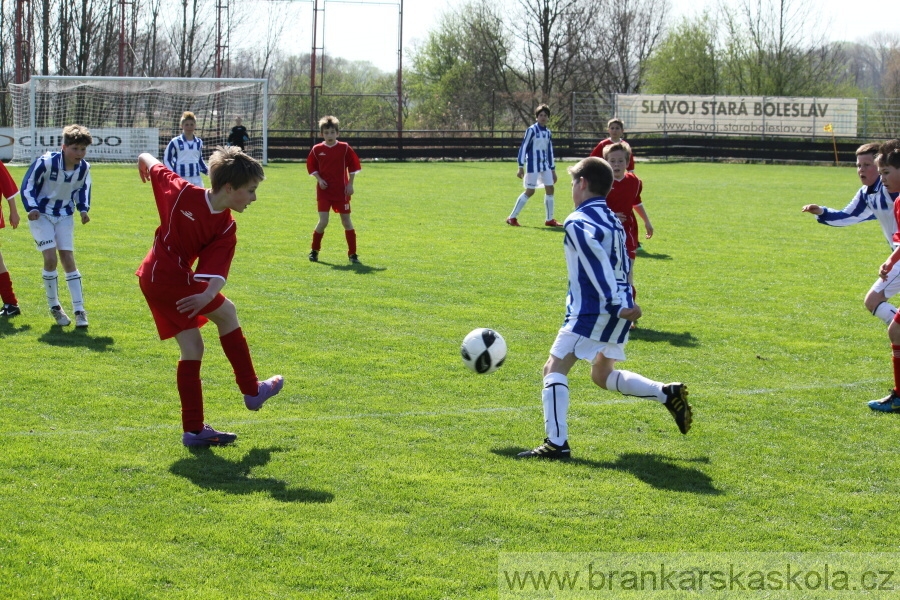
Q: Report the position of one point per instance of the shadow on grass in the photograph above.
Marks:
(652, 256)
(8, 327)
(210, 471)
(358, 268)
(656, 470)
(682, 340)
(77, 337)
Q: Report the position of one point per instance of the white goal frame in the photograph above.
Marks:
(145, 117)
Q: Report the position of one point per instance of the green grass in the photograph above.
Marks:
(384, 468)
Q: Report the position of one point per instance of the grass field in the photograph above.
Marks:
(384, 468)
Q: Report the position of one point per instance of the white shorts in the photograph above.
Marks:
(584, 348)
(889, 286)
(543, 178)
(53, 232)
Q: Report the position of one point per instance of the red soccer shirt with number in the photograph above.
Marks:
(622, 198)
(598, 152)
(190, 231)
(333, 164)
(8, 189)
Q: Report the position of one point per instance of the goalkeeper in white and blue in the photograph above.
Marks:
(871, 202)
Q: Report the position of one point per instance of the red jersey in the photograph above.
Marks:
(8, 189)
(190, 230)
(333, 164)
(622, 198)
(598, 152)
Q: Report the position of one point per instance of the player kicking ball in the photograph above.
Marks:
(599, 311)
(196, 226)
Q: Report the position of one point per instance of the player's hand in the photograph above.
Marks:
(521, 173)
(85, 218)
(554, 176)
(194, 304)
(813, 208)
(348, 191)
(34, 215)
(323, 184)
(885, 269)
(630, 314)
(144, 170)
(14, 217)
(649, 229)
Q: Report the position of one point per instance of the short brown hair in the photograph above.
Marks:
(616, 121)
(541, 108)
(596, 172)
(889, 154)
(623, 146)
(231, 165)
(329, 122)
(868, 149)
(188, 116)
(77, 134)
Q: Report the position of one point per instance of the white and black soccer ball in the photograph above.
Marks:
(483, 350)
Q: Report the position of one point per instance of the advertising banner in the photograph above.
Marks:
(110, 143)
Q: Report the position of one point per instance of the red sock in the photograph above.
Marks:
(895, 360)
(190, 390)
(6, 290)
(238, 353)
(350, 234)
(317, 240)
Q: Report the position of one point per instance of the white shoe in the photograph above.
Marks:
(60, 315)
(81, 318)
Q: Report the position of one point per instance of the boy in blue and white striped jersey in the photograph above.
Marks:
(599, 311)
(536, 165)
(184, 154)
(55, 186)
(872, 201)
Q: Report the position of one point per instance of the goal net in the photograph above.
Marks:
(131, 115)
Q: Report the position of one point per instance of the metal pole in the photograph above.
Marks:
(400, 75)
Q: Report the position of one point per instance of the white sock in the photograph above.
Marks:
(556, 405)
(548, 204)
(520, 204)
(74, 281)
(632, 384)
(51, 287)
(885, 311)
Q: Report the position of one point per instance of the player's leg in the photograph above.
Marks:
(530, 181)
(7, 294)
(548, 199)
(891, 402)
(319, 233)
(236, 349)
(73, 281)
(349, 233)
(673, 395)
(555, 399)
(190, 392)
(876, 300)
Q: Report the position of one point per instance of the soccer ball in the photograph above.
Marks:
(483, 351)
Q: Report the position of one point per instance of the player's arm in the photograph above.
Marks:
(354, 167)
(31, 188)
(170, 158)
(194, 304)
(855, 212)
(203, 167)
(639, 209)
(83, 204)
(889, 263)
(349, 189)
(524, 150)
(145, 162)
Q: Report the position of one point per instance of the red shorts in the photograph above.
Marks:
(162, 298)
(339, 204)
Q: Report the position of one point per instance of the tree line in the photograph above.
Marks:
(485, 65)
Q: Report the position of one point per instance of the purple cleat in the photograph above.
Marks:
(207, 437)
(267, 389)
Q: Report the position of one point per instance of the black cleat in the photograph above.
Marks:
(548, 450)
(354, 259)
(313, 256)
(677, 404)
(10, 310)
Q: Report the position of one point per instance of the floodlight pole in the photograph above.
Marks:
(23, 40)
(400, 77)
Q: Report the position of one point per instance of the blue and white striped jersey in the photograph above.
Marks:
(185, 157)
(869, 203)
(598, 268)
(536, 151)
(52, 190)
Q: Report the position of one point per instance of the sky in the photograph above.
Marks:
(368, 29)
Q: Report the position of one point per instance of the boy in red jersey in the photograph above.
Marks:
(334, 164)
(8, 190)
(624, 199)
(196, 226)
(616, 129)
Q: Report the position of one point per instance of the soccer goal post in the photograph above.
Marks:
(131, 115)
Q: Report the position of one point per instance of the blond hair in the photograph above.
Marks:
(231, 165)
